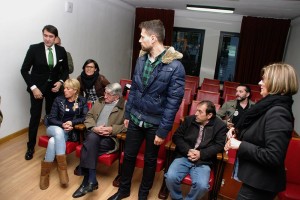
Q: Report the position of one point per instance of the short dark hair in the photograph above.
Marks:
(155, 27)
(51, 29)
(210, 107)
(88, 61)
(247, 88)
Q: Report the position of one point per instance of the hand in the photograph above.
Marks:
(37, 93)
(232, 143)
(56, 87)
(231, 133)
(158, 140)
(103, 130)
(230, 125)
(126, 122)
(193, 155)
(67, 126)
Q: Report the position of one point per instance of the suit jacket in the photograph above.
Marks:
(36, 61)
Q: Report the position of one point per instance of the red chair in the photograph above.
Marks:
(140, 157)
(211, 81)
(70, 146)
(230, 84)
(181, 113)
(228, 90)
(192, 85)
(188, 97)
(107, 159)
(192, 78)
(123, 82)
(254, 87)
(207, 95)
(255, 96)
(229, 97)
(210, 87)
(292, 165)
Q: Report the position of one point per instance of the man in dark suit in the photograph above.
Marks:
(45, 68)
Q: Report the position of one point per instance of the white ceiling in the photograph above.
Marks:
(287, 9)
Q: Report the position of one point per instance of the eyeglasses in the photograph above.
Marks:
(91, 67)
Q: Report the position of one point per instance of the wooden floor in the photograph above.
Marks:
(19, 178)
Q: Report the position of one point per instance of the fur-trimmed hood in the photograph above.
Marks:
(170, 55)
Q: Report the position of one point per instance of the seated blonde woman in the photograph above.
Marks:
(67, 111)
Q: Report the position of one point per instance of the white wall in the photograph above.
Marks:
(98, 29)
(292, 57)
(213, 24)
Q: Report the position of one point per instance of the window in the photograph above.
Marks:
(190, 43)
(227, 54)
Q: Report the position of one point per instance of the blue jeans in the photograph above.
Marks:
(135, 135)
(56, 143)
(179, 168)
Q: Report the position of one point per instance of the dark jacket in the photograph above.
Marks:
(212, 143)
(35, 62)
(58, 108)
(158, 102)
(263, 149)
(100, 85)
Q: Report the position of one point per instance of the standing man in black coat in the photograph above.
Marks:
(45, 68)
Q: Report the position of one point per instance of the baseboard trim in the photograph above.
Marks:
(13, 135)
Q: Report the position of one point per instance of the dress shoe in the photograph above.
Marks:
(119, 196)
(79, 192)
(90, 187)
(29, 154)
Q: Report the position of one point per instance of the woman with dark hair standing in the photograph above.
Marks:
(262, 135)
(92, 83)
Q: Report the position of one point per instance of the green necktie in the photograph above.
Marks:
(50, 58)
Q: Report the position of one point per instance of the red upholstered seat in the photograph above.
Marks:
(210, 87)
(207, 95)
(230, 84)
(292, 165)
(188, 181)
(211, 81)
(107, 159)
(70, 146)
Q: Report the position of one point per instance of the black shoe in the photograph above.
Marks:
(79, 192)
(90, 187)
(29, 154)
(119, 196)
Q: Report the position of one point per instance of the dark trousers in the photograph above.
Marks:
(35, 114)
(249, 193)
(135, 135)
(93, 146)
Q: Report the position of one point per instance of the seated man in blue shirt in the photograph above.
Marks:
(198, 140)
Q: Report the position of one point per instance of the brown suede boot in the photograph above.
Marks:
(45, 171)
(62, 169)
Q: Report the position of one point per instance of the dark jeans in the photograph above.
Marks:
(250, 193)
(134, 138)
(36, 111)
(93, 146)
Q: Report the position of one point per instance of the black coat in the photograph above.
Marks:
(212, 143)
(263, 149)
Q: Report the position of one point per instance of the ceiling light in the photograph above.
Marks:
(210, 8)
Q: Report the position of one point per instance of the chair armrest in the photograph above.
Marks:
(121, 136)
(80, 127)
(222, 156)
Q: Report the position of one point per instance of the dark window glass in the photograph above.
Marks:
(190, 43)
(227, 54)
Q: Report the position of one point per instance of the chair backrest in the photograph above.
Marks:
(210, 87)
(207, 95)
(192, 85)
(123, 82)
(192, 78)
(228, 90)
(230, 84)
(194, 104)
(255, 96)
(188, 96)
(292, 161)
(229, 97)
(254, 87)
(211, 81)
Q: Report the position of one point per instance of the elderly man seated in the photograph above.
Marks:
(103, 122)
